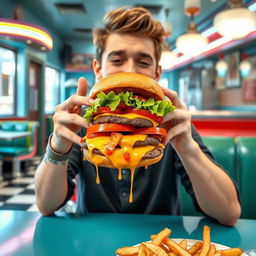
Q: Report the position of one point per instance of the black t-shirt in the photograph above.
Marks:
(155, 189)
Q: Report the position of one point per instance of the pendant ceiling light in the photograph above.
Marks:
(191, 43)
(245, 66)
(221, 66)
(168, 57)
(166, 24)
(192, 7)
(30, 33)
(235, 22)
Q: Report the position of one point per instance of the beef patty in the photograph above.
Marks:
(136, 122)
(150, 154)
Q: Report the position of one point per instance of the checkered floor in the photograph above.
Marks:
(18, 193)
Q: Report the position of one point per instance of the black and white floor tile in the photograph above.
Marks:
(18, 193)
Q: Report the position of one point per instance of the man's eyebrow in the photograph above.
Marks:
(145, 55)
(116, 53)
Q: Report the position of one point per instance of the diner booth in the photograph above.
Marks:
(46, 46)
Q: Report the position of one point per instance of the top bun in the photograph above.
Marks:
(138, 83)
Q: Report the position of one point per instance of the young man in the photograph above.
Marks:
(132, 42)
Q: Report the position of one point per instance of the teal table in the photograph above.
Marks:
(27, 233)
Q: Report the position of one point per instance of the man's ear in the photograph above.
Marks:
(97, 69)
(158, 72)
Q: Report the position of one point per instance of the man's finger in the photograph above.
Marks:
(82, 87)
(68, 134)
(71, 119)
(173, 96)
(74, 100)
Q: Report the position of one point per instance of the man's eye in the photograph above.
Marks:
(116, 61)
(144, 63)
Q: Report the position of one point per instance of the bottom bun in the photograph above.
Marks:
(105, 162)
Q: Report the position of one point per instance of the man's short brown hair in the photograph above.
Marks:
(137, 21)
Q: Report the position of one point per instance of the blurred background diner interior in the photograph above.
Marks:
(209, 58)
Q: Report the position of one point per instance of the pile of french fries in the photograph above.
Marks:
(162, 245)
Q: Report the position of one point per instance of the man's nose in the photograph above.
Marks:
(131, 67)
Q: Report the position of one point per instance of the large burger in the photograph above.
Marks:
(125, 119)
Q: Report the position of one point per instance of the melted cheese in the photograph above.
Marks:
(129, 116)
(117, 158)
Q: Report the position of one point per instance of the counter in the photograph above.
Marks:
(27, 233)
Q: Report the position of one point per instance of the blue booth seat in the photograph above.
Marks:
(1, 168)
(224, 152)
(246, 148)
(18, 149)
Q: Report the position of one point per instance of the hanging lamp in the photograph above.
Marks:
(168, 57)
(221, 66)
(166, 24)
(192, 7)
(191, 43)
(245, 66)
(236, 22)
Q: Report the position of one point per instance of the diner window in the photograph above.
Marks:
(52, 89)
(7, 81)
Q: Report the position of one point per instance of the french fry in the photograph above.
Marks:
(127, 251)
(162, 245)
(206, 241)
(195, 248)
(212, 250)
(161, 236)
(183, 243)
(231, 252)
(172, 254)
(156, 250)
(176, 248)
(142, 250)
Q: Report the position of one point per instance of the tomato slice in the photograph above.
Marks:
(97, 134)
(103, 128)
(123, 107)
(151, 131)
(146, 113)
(102, 110)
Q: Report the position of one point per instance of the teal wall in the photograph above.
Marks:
(172, 77)
(25, 52)
(82, 46)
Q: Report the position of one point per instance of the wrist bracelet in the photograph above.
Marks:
(53, 157)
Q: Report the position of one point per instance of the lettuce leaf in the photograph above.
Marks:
(112, 100)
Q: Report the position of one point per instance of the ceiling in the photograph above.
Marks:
(78, 25)
(65, 24)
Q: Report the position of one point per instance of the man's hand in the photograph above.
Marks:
(178, 125)
(68, 121)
